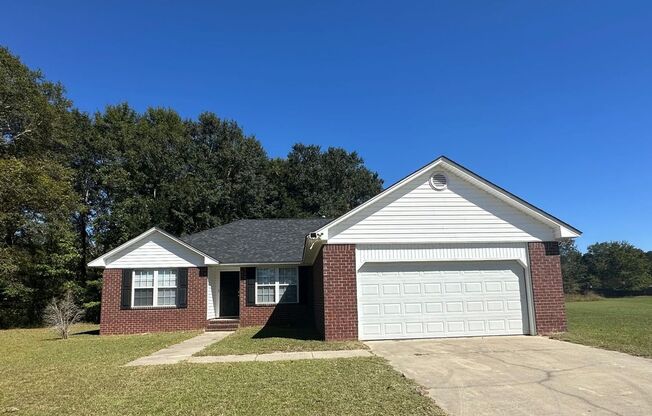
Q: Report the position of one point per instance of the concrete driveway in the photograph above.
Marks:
(523, 376)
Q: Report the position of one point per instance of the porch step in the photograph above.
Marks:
(223, 324)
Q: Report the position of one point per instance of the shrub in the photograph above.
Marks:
(61, 314)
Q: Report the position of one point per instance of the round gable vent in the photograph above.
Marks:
(438, 181)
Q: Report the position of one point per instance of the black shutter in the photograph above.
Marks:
(182, 288)
(125, 289)
(250, 275)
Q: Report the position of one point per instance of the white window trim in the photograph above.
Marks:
(276, 285)
(155, 289)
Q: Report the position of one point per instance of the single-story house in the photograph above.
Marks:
(441, 253)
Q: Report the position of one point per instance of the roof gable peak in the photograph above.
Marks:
(562, 229)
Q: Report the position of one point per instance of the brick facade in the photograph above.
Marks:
(340, 304)
(114, 320)
(547, 287)
(281, 314)
(327, 295)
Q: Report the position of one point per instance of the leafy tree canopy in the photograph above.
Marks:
(618, 265)
(75, 185)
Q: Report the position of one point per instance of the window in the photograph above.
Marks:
(277, 285)
(154, 288)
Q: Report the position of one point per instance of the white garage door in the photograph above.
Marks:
(441, 299)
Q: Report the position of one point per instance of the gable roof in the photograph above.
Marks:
(101, 261)
(265, 241)
(562, 229)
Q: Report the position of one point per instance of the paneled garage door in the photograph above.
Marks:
(441, 299)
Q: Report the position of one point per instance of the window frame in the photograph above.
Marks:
(154, 288)
(276, 286)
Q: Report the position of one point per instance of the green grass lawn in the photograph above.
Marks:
(259, 340)
(84, 376)
(621, 324)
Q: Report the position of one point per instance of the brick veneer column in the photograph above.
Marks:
(547, 287)
(114, 320)
(340, 299)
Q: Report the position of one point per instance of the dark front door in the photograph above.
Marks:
(229, 293)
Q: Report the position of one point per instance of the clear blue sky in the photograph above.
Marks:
(551, 101)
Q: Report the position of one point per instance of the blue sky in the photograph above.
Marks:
(551, 101)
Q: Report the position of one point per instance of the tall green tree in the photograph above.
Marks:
(326, 184)
(144, 162)
(231, 170)
(77, 185)
(38, 250)
(33, 111)
(38, 253)
(573, 269)
(618, 265)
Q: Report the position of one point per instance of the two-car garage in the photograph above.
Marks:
(431, 299)
(443, 253)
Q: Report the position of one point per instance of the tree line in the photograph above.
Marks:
(614, 267)
(74, 185)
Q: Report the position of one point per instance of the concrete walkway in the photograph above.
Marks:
(181, 351)
(184, 351)
(280, 356)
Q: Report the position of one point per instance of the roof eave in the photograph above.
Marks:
(101, 261)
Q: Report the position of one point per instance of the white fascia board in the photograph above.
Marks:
(561, 230)
(101, 261)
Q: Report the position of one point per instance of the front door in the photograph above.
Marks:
(229, 294)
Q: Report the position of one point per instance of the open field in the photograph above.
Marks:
(620, 324)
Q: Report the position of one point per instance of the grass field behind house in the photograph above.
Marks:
(620, 324)
(84, 375)
(259, 340)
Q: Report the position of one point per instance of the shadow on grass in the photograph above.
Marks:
(89, 332)
(304, 333)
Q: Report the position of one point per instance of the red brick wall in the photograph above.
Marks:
(547, 287)
(340, 299)
(281, 314)
(114, 320)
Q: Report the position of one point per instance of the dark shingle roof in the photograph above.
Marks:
(256, 241)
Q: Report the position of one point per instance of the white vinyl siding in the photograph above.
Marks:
(417, 213)
(154, 251)
(441, 252)
(277, 285)
(212, 293)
